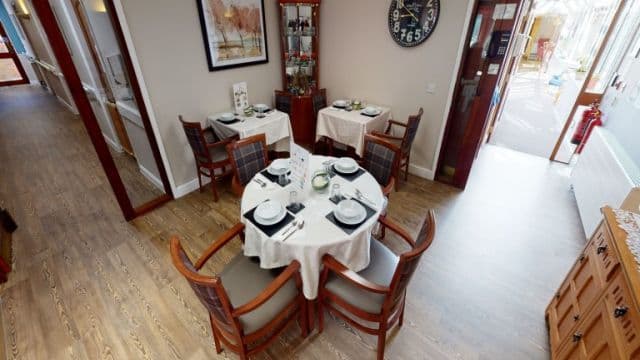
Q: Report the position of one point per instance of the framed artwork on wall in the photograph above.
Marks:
(234, 32)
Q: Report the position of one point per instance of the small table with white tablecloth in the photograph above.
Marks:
(319, 236)
(349, 127)
(276, 126)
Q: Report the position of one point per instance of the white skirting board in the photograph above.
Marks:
(151, 177)
(604, 175)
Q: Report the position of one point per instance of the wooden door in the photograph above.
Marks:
(488, 41)
(11, 71)
(580, 290)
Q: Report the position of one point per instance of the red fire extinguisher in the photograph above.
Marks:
(581, 129)
(597, 121)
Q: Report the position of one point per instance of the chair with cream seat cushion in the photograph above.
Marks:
(248, 306)
(376, 294)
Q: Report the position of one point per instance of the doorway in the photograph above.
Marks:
(11, 71)
(572, 53)
(85, 46)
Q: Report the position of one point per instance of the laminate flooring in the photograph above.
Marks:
(88, 285)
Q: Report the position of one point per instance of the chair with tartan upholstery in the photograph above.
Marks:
(248, 306)
(248, 157)
(376, 294)
(406, 140)
(381, 159)
(283, 101)
(209, 152)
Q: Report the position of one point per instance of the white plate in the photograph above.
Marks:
(371, 111)
(260, 107)
(350, 212)
(279, 167)
(269, 210)
(340, 103)
(227, 116)
(346, 165)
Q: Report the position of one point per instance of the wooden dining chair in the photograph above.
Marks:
(381, 158)
(406, 140)
(283, 101)
(376, 294)
(248, 306)
(209, 152)
(248, 157)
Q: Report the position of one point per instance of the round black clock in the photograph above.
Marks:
(411, 22)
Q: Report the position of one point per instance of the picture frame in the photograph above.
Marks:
(234, 33)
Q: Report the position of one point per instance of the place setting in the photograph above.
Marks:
(228, 118)
(270, 217)
(278, 172)
(346, 167)
(371, 111)
(349, 214)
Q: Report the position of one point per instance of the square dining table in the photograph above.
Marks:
(350, 127)
(276, 126)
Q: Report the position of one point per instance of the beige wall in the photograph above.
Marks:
(359, 59)
(169, 46)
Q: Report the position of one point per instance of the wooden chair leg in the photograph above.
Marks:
(320, 316)
(304, 320)
(406, 170)
(199, 178)
(382, 338)
(216, 341)
(213, 186)
(401, 314)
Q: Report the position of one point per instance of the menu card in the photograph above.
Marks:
(300, 158)
(240, 97)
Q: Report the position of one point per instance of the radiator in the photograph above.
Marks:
(603, 175)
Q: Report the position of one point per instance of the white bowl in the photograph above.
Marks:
(370, 110)
(340, 103)
(260, 107)
(227, 116)
(279, 166)
(269, 210)
(350, 212)
(346, 165)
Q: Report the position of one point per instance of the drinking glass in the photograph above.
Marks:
(293, 201)
(282, 179)
(335, 191)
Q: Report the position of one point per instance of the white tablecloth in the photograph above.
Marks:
(276, 126)
(349, 127)
(319, 236)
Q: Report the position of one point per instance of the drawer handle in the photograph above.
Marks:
(620, 311)
(577, 336)
(581, 258)
(601, 249)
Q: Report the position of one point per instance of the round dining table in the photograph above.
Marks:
(319, 235)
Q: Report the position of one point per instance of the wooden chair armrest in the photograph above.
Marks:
(398, 230)
(292, 271)
(219, 243)
(344, 272)
(395, 122)
(224, 142)
(386, 136)
(390, 186)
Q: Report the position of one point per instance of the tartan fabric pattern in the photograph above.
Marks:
(249, 160)
(410, 134)
(196, 142)
(319, 102)
(283, 103)
(378, 160)
(206, 294)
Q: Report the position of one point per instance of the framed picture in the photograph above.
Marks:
(234, 32)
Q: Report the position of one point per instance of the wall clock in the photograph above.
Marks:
(411, 22)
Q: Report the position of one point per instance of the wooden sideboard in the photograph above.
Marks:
(595, 312)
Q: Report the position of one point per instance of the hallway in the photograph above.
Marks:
(89, 285)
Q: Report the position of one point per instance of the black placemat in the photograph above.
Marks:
(339, 107)
(371, 116)
(274, 178)
(349, 177)
(271, 229)
(229, 122)
(349, 229)
(295, 211)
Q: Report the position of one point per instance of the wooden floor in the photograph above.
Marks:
(88, 285)
(139, 189)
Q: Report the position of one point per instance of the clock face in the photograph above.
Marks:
(411, 22)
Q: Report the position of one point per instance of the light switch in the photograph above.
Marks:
(431, 88)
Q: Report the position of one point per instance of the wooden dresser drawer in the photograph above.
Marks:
(607, 258)
(624, 317)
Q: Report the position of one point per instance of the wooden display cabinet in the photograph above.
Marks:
(299, 33)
